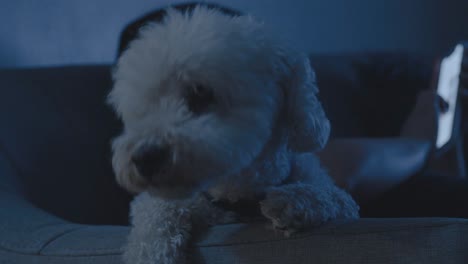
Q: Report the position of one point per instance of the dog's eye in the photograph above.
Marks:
(199, 99)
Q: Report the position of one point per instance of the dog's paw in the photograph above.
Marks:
(164, 245)
(160, 231)
(298, 206)
(282, 209)
(166, 252)
(280, 213)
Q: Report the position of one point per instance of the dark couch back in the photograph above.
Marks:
(55, 128)
(370, 95)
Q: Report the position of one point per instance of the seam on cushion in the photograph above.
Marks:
(54, 238)
(57, 236)
(52, 224)
(8, 247)
(58, 256)
(80, 251)
(226, 245)
(5, 244)
(332, 233)
(38, 228)
(85, 254)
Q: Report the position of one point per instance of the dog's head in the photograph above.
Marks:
(199, 95)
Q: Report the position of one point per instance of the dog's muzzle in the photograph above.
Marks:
(151, 160)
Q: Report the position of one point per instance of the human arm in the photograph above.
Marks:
(368, 167)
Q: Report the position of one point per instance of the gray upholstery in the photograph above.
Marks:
(59, 202)
(419, 240)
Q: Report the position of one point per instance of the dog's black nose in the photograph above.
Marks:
(151, 159)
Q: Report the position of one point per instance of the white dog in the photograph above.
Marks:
(216, 109)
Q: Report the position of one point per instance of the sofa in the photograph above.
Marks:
(59, 202)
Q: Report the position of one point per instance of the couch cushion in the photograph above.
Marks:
(405, 240)
(424, 240)
(55, 130)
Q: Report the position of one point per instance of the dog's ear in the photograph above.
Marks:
(308, 126)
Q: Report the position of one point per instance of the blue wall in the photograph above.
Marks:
(52, 32)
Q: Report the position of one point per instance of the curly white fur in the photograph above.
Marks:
(254, 141)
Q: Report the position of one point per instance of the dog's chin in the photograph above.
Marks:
(172, 192)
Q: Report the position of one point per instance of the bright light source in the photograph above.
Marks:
(447, 88)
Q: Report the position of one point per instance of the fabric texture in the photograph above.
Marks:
(406, 240)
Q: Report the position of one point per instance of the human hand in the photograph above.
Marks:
(422, 122)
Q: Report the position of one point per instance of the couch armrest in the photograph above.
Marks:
(404, 241)
(31, 235)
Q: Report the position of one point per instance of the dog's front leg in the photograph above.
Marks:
(309, 200)
(162, 228)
